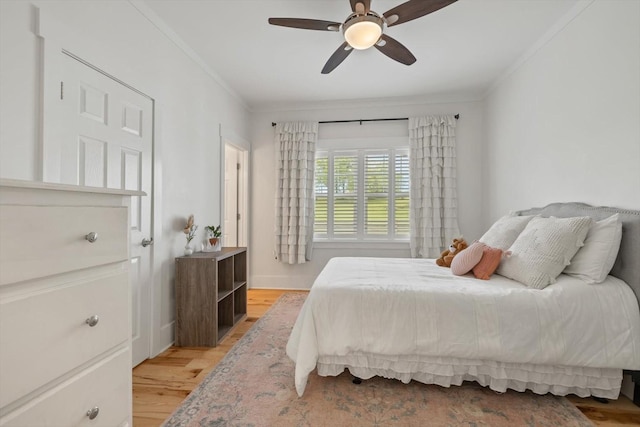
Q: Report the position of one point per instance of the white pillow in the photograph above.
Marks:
(544, 249)
(593, 262)
(505, 231)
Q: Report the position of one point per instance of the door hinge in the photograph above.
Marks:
(61, 90)
(238, 166)
(238, 217)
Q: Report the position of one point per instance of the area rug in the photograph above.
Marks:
(253, 386)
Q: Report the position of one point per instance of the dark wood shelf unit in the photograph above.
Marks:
(211, 296)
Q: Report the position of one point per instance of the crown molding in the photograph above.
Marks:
(168, 32)
(439, 99)
(556, 29)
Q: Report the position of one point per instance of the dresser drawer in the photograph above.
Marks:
(39, 241)
(105, 385)
(45, 335)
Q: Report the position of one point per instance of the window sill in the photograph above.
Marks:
(361, 244)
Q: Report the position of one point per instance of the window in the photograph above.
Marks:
(362, 194)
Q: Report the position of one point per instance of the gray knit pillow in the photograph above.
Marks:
(543, 249)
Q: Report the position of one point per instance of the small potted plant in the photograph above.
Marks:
(214, 234)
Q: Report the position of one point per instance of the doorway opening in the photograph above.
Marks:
(236, 179)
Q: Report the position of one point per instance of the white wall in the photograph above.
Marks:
(189, 109)
(565, 126)
(265, 271)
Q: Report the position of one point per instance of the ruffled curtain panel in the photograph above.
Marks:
(295, 163)
(433, 213)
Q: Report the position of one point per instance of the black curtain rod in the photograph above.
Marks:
(457, 116)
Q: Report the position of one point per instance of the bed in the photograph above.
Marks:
(409, 319)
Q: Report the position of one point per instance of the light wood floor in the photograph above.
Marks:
(162, 383)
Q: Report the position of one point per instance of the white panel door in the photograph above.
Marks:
(99, 133)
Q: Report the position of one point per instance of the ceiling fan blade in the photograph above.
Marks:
(365, 3)
(336, 59)
(306, 24)
(413, 9)
(395, 50)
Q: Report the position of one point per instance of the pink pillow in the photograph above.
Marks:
(467, 259)
(488, 263)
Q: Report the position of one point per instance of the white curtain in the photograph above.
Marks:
(433, 213)
(295, 163)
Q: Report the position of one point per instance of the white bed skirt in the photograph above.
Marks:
(498, 376)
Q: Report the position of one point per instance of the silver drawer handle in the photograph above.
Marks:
(147, 242)
(92, 321)
(91, 237)
(93, 412)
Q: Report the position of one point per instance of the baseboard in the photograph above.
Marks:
(165, 339)
(298, 282)
(272, 288)
(162, 350)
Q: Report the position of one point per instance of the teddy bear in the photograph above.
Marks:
(447, 255)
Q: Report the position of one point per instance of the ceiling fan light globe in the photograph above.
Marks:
(363, 32)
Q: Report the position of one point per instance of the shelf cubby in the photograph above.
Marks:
(211, 296)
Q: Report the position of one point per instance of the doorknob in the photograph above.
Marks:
(147, 242)
(91, 237)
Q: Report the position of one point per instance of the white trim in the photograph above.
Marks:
(158, 342)
(163, 349)
(229, 136)
(279, 288)
(390, 245)
(18, 183)
(556, 29)
(165, 336)
(104, 73)
(347, 149)
(332, 106)
(244, 149)
(298, 282)
(368, 143)
(222, 171)
(157, 22)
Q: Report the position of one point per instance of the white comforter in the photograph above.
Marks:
(392, 307)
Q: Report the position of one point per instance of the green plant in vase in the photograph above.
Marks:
(214, 234)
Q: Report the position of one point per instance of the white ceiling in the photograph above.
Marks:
(461, 49)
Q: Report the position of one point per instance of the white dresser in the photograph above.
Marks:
(65, 305)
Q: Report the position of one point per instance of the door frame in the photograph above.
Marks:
(228, 137)
(242, 157)
(56, 40)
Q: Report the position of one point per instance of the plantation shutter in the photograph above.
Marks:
(376, 194)
(362, 194)
(345, 194)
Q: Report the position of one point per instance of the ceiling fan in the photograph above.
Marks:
(364, 28)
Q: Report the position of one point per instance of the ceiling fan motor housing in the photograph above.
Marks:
(363, 31)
